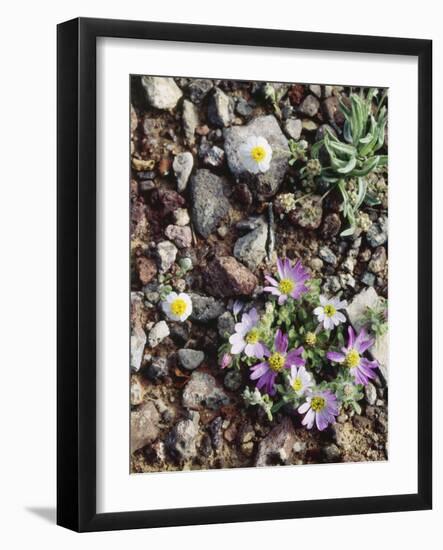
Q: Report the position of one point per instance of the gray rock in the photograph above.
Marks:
(276, 447)
(378, 260)
(209, 204)
(182, 167)
(136, 391)
(331, 285)
(181, 440)
(226, 324)
(198, 89)
(158, 369)
(327, 255)
(233, 380)
(161, 92)
(219, 109)
(310, 105)
(144, 425)
(205, 308)
(368, 278)
(158, 333)
(377, 234)
(267, 184)
(190, 359)
(202, 391)
(243, 108)
(138, 342)
(251, 248)
(332, 453)
(190, 121)
(166, 252)
(370, 393)
(181, 236)
(212, 156)
(315, 89)
(293, 128)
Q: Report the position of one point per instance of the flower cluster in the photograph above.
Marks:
(291, 345)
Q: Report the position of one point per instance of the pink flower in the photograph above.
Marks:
(225, 361)
(321, 408)
(291, 281)
(360, 368)
(266, 372)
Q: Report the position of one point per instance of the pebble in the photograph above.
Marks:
(198, 89)
(251, 248)
(144, 425)
(331, 453)
(327, 255)
(310, 105)
(136, 391)
(190, 359)
(293, 128)
(370, 393)
(181, 217)
(202, 391)
(276, 447)
(166, 252)
(181, 441)
(161, 92)
(138, 342)
(368, 278)
(377, 234)
(331, 226)
(190, 121)
(181, 236)
(158, 369)
(158, 333)
(205, 308)
(219, 109)
(315, 89)
(212, 156)
(209, 204)
(243, 108)
(378, 260)
(225, 277)
(226, 324)
(182, 166)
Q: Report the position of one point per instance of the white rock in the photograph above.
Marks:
(158, 333)
(181, 217)
(162, 93)
(190, 121)
(167, 252)
(138, 341)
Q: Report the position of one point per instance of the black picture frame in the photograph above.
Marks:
(76, 294)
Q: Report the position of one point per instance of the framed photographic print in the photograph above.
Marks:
(244, 274)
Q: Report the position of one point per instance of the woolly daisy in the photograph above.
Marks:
(255, 155)
(300, 379)
(178, 307)
(360, 368)
(321, 408)
(265, 373)
(246, 336)
(328, 314)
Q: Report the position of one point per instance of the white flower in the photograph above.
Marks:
(328, 314)
(301, 380)
(255, 155)
(177, 307)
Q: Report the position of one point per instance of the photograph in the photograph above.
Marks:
(259, 273)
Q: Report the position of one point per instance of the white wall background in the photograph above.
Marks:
(27, 274)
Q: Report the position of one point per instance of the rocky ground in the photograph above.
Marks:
(201, 226)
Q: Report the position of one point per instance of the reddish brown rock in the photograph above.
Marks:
(146, 269)
(226, 277)
(167, 200)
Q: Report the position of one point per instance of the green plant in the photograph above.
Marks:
(357, 156)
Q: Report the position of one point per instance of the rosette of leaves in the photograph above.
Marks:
(358, 155)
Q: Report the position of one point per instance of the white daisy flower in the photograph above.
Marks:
(328, 314)
(301, 380)
(255, 155)
(178, 307)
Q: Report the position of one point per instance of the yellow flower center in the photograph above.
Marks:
(276, 362)
(310, 339)
(286, 286)
(297, 384)
(178, 306)
(352, 359)
(329, 310)
(258, 153)
(318, 403)
(252, 336)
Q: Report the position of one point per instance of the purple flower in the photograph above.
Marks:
(237, 307)
(265, 373)
(291, 281)
(321, 408)
(246, 336)
(225, 361)
(360, 368)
